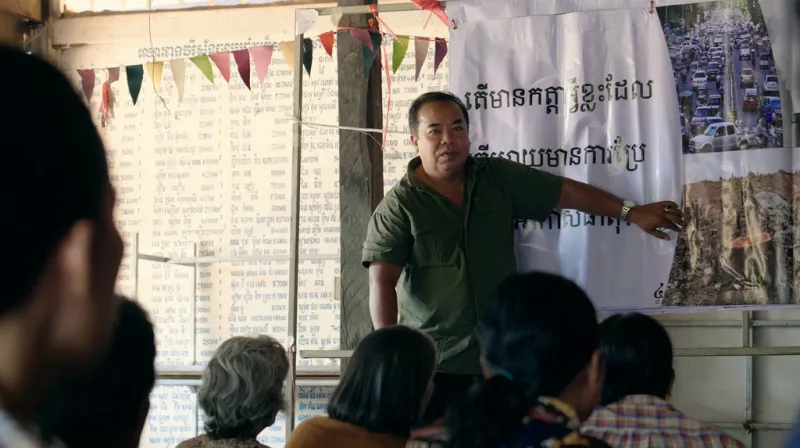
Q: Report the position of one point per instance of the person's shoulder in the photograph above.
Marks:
(194, 442)
(395, 200)
(309, 432)
(314, 422)
(498, 168)
(482, 161)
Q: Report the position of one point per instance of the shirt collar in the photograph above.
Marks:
(472, 165)
(554, 410)
(642, 400)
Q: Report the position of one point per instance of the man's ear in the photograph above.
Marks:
(415, 143)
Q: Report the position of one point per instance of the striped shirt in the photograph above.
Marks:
(645, 421)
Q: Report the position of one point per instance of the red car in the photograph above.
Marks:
(750, 100)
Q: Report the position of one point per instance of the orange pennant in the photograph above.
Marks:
(327, 42)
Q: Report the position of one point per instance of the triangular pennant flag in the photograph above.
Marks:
(113, 74)
(440, 51)
(336, 18)
(420, 54)
(308, 54)
(87, 82)
(242, 58)
(223, 63)
(369, 54)
(399, 49)
(362, 35)
(154, 70)
(262, 56)
(135, 74)
(178, 67)
(327, 42)
(287, 48)
(204, 64)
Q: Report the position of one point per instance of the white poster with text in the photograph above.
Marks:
(589, 96)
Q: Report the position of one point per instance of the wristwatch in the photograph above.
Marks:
(627, 206)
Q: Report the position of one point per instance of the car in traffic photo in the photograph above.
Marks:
(699, 79)
(744, 53)
(712, 71)
(715, 100)
(747, 78)
(722, 136)
(771, 85)
(764, 61)
(751, 100)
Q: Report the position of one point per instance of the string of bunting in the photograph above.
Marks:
(261, 57)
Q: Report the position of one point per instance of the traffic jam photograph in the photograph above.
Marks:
(725, 77)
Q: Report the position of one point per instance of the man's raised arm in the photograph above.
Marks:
(537, 193)
(386, 251)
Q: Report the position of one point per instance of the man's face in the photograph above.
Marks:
(87, 307)
(442, 138)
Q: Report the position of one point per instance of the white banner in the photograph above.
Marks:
(590, 96)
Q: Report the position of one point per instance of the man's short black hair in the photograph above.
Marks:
(638, 356)
(55, 168)
(433, 97)
(92, 409)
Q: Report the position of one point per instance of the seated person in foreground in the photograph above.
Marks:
(241, 392)
(639, 376)
(380, 397)
(114, 398)
(541, 355)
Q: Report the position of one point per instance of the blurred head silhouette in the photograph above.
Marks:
(114, 396)
(57, 307)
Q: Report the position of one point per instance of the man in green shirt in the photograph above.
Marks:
(442, 239)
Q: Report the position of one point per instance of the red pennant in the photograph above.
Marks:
(242, 58)
(87, 82)
(327, 42)
(223, 63)
(362, 35)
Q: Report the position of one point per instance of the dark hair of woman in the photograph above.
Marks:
(385, 383)
(538, 335)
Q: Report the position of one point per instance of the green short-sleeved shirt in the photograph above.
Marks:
(453, 261)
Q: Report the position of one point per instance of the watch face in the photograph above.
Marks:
(628, 204)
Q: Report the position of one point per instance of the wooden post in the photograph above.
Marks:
(360, 173)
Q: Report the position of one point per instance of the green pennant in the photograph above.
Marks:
(399, 49)
(135, 74)
(370, 55)
(308, 54)
(204, 64)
